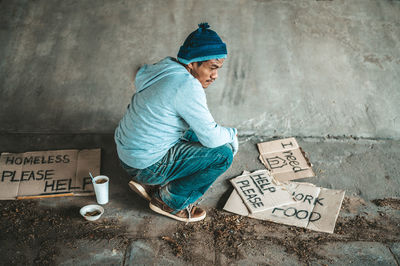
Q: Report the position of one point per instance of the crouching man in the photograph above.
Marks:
(167, 140)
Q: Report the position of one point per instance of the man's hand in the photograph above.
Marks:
(235, 145)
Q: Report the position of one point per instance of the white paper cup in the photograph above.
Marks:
(101, 190)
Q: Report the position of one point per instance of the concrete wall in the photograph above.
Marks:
(303, 68)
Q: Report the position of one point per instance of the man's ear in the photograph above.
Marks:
(190, 66)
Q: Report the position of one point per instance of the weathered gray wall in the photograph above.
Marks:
(305, 68)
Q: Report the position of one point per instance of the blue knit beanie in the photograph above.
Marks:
(201, 45)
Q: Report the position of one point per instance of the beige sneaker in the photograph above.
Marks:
(145, 191)
(190, 214)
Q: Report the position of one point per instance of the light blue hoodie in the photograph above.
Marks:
(168, 100)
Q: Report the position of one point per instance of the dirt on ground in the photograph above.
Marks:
(27, 226)
(388, 202)
(232, 231)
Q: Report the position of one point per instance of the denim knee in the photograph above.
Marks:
(225, 155)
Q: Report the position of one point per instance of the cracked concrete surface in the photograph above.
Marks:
(304, 68)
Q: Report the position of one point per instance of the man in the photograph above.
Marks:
(167, 140)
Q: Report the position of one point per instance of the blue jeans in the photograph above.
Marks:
(186, 172)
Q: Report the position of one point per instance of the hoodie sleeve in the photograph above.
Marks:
(191, 105)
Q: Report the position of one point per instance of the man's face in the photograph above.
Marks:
(207, 72)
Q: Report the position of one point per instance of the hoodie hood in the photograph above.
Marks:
(150, 74)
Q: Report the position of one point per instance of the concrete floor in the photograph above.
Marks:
(130, 234)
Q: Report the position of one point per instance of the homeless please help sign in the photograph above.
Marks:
(47, 173)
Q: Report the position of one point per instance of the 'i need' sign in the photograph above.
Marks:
(285, 159)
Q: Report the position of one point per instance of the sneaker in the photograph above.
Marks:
(145, 191)
(189, 214)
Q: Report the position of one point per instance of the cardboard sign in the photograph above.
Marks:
(285, 159)
(316, 208)
(260, 191)
(48, 173)
(328, 206)
(300, 213)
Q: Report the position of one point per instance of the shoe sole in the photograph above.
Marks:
(187, 220)
(136, 187)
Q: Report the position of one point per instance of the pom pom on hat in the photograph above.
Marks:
(203, 25)
(201, 45)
